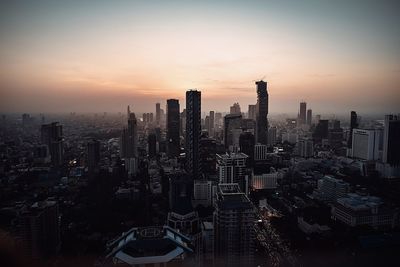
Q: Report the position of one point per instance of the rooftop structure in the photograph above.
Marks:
(149, 245)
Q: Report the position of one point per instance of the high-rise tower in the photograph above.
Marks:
(262, 113)
(353, 124)
(309, 117)
(193, 132)
(303, 113)
(233, 227)
(391, 140)
(52, 136)
(173, 122)
(158, 114)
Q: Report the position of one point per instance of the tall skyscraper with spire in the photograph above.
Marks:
(129, 137)
(262, 113)
(193, 132)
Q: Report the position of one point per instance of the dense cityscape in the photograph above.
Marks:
(185, 187)
(261, 133)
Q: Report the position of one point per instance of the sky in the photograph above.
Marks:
(95, 56)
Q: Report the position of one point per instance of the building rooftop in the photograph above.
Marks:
(230, 197)
(357, 202)
(149, 245)
(230, 156)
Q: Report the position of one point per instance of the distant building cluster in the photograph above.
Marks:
(182, 186)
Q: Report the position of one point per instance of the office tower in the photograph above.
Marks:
(231, 122)
(252, 112)
(212, 123)
(129, 144)
(93, 155)
(208, 150)
(149, 246)
(235, 109)
(335, 135)
(151, 117)
(218, 119)
(39, 229)
(262, 113)
(353, 124)
(321, 130)
(183, 122)
(246, 144)
(365, 144)
(305, 147)
(51, 135)
(193, 132)
(233, 227)
(303, 113)
(391, 140)
(158, 114)
(129, 137)
(272, 136)
(152, 145)
(173, 121)
(206, 123)
(309, 117)
(317, 118)
(232, 169)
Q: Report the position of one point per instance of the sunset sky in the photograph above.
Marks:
(95, 56)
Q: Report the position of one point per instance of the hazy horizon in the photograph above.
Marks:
(85, 56)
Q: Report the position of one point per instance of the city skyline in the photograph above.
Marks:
(65, 57)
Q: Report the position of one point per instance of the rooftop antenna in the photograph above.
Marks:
(262, 78)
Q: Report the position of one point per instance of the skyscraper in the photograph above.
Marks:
(39, 229)
(129, 144)
(391, 140)
(303, 113)
(173, 122)
(193, 132)
(309, 117)
(158, 114)
(246, 144)
(262, 113)
(211, 124)
(51, 135)
(232, 169)
(132, 136)
(365, 144)
(231, 122)
(321, 130)
(353, 124)
(233, 227)
(208, 148)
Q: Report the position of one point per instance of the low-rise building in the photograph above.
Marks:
(355, 210)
